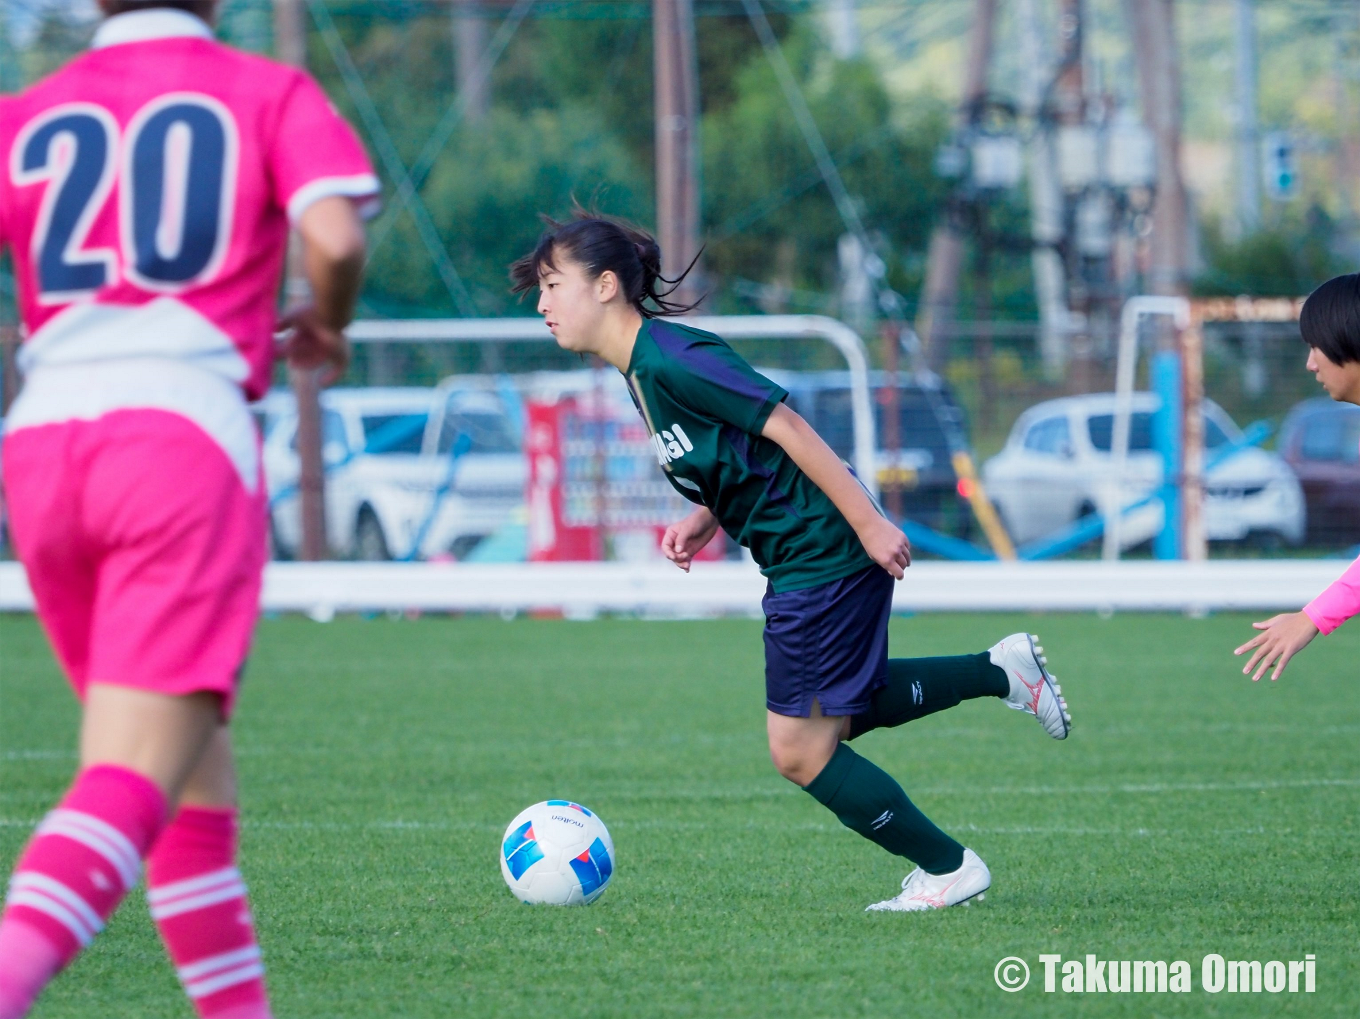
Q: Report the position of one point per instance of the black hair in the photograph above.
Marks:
(1330, 320)
(599, 244)
(201, 8)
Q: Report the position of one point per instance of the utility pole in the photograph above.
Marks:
(290, 46)
(1074, 133)
(1046, 202)
(1178, 363)
(944, 258)
(1159, 85)
(1346, 34)
(9, 367)
(469, 42)
(676, 84)
(843, 28)
(1248, 127)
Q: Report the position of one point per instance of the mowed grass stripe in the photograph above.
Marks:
(1191, 811)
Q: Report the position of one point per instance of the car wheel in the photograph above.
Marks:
(1269, 542)
(464, 544)
(370, 544)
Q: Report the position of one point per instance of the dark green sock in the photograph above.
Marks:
(921, 686)
(867, 800)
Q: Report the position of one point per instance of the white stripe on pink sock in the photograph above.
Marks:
(103, 838)
(50, 896)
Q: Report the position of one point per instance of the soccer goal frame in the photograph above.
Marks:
(731, 327)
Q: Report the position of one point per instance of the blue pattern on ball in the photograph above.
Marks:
(521, 850)
(593, 868)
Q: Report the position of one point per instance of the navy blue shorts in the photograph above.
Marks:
(828, 643)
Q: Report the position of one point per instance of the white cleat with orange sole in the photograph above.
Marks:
(1033, 688)
(922, 891)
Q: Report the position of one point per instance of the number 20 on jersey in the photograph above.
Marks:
(176, 168)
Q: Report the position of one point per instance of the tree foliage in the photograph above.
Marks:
(572, 121)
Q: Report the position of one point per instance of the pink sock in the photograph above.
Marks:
(198, 901)
(84, 857)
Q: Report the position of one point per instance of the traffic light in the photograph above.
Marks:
(1278, 166)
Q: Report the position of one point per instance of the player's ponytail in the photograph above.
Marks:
(603, 244)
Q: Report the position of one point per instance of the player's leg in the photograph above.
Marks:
(917, 687)
(864, 797)
(137, 748)
(1014, 669)
(175, 538)
(198, 898)
(826, 652)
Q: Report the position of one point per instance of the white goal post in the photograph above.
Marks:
(729, 327)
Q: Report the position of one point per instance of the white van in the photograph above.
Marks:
(410, 472)
(1056, 463)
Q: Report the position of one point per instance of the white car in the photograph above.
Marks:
(410, 472)
(1056, 467)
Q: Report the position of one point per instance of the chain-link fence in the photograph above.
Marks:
(482, 115)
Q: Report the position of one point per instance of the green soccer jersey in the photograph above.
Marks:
(705, 408)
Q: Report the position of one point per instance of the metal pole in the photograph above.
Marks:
(1069, 112)
(290, 46)
(1154, 40)
(1046, 202)
(1248, 129)
(890, 399)
(844, 28)
(675, 72)
(9, 368)
(1347, 75)
(944, 257)
(469, 40)
(1159, 83)
(1135, 308)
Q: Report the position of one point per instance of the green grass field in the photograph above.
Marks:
(1191, 812)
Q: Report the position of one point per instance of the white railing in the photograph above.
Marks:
(323, 589)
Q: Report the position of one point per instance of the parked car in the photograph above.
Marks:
(921, 466)
(1320, 439)
(410, 472)
(1056, 467)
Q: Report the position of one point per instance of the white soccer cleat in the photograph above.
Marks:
(922, 891)
(1033, 688)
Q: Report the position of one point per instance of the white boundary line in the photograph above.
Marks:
(659, 589)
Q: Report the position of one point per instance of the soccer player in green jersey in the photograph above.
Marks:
(728, 442)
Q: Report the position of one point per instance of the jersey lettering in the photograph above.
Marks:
(72, 148)
(177, 194)
(671, 444)
(178, 190)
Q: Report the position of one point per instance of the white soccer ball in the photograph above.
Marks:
(557, 853)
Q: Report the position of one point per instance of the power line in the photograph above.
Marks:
(452, 117)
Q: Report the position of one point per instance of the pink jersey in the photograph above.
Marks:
(146, 193)
(1338, 603)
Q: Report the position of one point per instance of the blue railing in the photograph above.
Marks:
(1083, 530)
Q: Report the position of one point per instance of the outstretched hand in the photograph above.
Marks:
(1282, 638)
(309, 342)
(886, 545)
(684, 540)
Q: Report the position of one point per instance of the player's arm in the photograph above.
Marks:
(683, 541)
(333, 262)
(885, 543)
(1289, 633)
(1282, 638)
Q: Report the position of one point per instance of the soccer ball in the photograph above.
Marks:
(557, 853)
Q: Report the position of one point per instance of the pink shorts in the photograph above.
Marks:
(144, 550)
